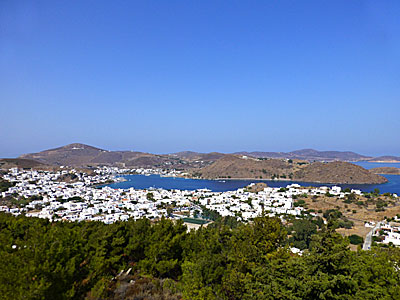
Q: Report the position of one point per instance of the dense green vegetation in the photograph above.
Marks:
(4, 185)
(336, 217)
(356, 239)
(62, 260)
(301, 232)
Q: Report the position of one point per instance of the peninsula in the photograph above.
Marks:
(243, 167)
(386, 170)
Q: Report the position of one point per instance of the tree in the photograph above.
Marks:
(356, 239)
(169, 211)
(163, 254)
(302, 231)
(225, 260)
(150, 196)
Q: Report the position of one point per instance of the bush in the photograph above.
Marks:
(345, 223)
(376, 191)
(299, 203)
(356, 239)
(351, 197)
(4, 185)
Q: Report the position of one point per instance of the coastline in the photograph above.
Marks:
(388, 174)
(385, 161)
(260, 179)
(273, 180)
(116, 180)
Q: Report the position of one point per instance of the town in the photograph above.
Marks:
(72, 195)
(83, 200)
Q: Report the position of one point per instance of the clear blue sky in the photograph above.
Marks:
(165, 76)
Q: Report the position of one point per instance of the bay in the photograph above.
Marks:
(168, 183)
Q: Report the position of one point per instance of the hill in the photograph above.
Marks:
(235, 166)
(337, 172)
(385, 158)
(386, 170)
(81, 155)
(310, 155)
(8, 163)
(196, 156)
(186, 154)
(261, 154)
(73, 154)
(240, 167)
(256, 165)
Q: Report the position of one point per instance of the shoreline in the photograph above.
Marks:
(383, 161)
(108, 183)
(273, 180)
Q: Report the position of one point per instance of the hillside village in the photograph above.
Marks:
(82, 200)
(45, 194)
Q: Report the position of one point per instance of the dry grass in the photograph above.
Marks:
(359, 214)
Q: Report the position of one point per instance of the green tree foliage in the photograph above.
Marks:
(163, 255)
(301, 233)
(336, 219)
(150, 196)
(376, 192)
(63, 260)
(356, 239)
(5, 185)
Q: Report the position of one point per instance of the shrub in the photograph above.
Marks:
(356, 239)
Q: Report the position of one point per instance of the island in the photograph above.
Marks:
(386, 170)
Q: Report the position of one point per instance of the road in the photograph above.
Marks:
(368, 238)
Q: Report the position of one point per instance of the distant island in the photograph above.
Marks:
(385, 159)
(386, 170)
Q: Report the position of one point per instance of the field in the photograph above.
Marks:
(358, 209)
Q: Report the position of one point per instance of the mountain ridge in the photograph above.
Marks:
(310, 155)
(78, 154)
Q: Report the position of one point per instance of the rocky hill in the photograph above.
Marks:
(235, 166)
(196, 156)
(73, 154)
(81, 155)
(310, 155)
(240, 167)
(386, 170)
(8, 163)
(385, 158)
(337, 172)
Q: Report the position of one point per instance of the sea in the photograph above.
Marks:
(177, 183)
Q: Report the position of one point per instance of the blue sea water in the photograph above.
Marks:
(156, 181)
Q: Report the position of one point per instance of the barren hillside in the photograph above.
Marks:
(233, 166)
(337, 172)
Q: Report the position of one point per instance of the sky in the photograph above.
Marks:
(167, 76)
